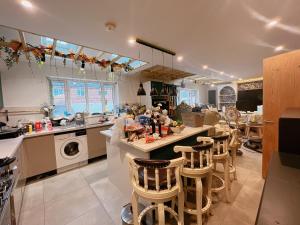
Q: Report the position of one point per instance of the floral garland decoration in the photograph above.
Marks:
(14, 49)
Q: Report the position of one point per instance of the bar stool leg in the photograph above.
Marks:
(234, 161)
(134, 202)
(226, 179)
(161, 214)
(181, 208)
(185, 187)
(199, 200)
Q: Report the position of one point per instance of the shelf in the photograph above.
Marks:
(227, 102)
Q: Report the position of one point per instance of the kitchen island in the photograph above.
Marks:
(117, 164)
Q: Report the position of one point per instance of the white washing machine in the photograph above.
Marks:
(71, 149)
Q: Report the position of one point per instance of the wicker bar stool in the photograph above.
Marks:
(198, 165)
(221, 155)
(156, 181)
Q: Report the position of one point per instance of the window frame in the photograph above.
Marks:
(189, 90)
(85, 81)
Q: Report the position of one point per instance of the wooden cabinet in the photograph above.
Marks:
(281, 91)
(96, 141)
(19, 188)
(39, 155)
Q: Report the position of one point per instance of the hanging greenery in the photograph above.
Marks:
(13, 49)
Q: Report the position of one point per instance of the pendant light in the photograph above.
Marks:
(164, 91)
(154, 91)
(141, 91)
(174, 88)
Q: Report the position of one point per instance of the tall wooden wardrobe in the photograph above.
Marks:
(281, 91)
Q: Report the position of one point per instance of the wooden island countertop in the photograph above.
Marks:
(170, 139)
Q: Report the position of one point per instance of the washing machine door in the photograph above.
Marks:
(71, 149)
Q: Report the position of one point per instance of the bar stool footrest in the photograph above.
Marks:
(218, 183)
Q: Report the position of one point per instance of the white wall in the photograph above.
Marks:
(26, 88)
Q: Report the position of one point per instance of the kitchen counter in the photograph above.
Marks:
(8, 147)
(280, 200)
(61, 129)
(148, 147)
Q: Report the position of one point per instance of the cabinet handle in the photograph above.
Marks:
(268, 121)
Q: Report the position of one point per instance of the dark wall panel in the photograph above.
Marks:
(248, 100)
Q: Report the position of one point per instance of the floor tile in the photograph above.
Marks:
(94, 168)
(33, 196)
(59, 185)
(70, 206)
(95, 216)
(112, 199)
(33, 216)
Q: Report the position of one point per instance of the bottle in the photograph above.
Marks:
(152, 124)
(30, 128)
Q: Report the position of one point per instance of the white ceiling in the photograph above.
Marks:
(227, 35)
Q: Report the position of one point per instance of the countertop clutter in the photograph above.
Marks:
(9, 146)
(60, 129)
(147, 147)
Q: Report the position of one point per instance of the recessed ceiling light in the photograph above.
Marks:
(272, 23)
(110, 26)
(231, 76)
(179, 58)
(204, 67)
(278, 48)
(212, 85)
(221, 72)
(26, 4)
(131, 41)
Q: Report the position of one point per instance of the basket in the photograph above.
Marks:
(193, 119)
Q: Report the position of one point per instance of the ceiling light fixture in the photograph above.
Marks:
(110, 26)
(204, 67)
(26, 4)
(240, 79)
(131, 41)
(231, 76)
(278, 48)
(212, 85)
(221, 72)
(272, 23)
(179, 58)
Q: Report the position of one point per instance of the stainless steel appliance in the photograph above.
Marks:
(7, 182)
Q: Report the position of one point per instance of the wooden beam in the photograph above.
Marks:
(79, 52)
(53, 49)
(23, 41)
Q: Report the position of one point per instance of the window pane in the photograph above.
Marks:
(77, 96)
(108, 97)
(61, 46)
(94, 93)
(58, 97)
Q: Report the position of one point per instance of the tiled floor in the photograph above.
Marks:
(86, 197)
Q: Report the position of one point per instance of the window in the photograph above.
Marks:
(61, 46)
(189, 96)
(59, 97)
(70, 96)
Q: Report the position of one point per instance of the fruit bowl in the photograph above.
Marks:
(177, 129)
